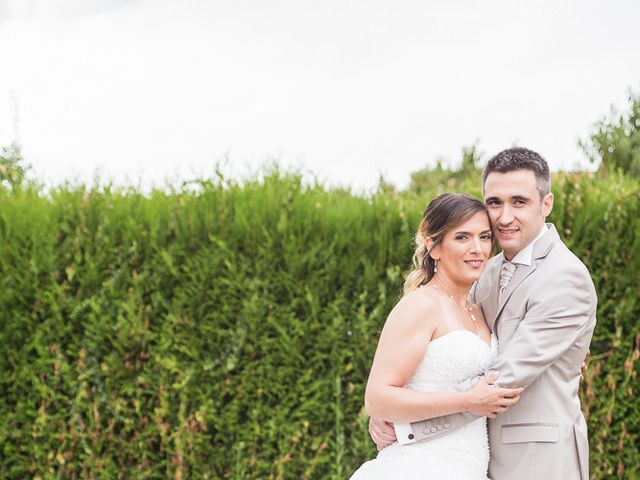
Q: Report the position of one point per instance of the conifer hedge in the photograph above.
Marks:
(225, 330)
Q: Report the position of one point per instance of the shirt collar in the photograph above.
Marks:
(525, 256)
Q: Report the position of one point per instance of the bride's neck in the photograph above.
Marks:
(458, 290)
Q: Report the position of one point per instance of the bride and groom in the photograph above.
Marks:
(476, 337)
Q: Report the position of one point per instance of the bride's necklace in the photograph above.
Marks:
(467, 308)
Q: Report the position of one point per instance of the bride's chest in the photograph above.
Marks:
(451, 359)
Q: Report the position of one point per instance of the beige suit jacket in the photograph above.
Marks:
(544, 321)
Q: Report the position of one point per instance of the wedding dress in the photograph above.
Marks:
(461, 454)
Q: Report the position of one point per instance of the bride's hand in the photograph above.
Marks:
(488, 400)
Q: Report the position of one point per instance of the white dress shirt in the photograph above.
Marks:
(525, 256)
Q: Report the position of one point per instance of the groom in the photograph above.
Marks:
(539, 300)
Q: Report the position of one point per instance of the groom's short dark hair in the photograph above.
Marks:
(519, 158)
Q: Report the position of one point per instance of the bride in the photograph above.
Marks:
(432, 341)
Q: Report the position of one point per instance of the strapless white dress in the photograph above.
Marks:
(461, 454)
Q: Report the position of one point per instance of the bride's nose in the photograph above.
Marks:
(476, 247)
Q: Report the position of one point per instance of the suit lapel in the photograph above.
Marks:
(490, 305)
(522, 272)
(540, 250)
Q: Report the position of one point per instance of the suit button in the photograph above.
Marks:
(447, 425)
(411, 436)
(434, 429)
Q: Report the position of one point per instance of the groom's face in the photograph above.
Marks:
(516, 210)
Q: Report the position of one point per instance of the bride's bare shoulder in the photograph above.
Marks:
(415, 314)
(417, 302)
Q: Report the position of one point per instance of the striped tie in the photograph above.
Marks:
(506, 273)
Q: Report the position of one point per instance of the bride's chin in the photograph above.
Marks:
(474, 277)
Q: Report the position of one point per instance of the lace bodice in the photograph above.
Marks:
(462, 453)
(451, 359)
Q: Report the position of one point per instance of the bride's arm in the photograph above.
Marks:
(402, 345)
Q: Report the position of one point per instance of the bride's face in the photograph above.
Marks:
(465, 249)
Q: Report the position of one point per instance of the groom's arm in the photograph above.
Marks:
(409, 433)
(559, 314)
(384, 434)
(556, 317)
(426, 429)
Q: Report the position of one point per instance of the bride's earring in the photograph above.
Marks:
(435, 266)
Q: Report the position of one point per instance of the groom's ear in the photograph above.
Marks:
(547, 204)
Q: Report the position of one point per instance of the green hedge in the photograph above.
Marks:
(226, 330)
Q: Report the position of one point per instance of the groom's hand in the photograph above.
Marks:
(583, 368)
(382, 433)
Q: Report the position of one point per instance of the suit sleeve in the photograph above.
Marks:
(426, 429)
(556, 316)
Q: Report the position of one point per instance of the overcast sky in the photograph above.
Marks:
(149, 90)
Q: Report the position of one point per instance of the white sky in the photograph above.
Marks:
(150, 90)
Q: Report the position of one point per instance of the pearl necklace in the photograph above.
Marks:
(467, 308)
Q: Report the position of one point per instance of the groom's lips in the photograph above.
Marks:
(507, 232)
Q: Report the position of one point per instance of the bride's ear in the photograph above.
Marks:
(432, 249)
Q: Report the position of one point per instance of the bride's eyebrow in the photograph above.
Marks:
(461, 232)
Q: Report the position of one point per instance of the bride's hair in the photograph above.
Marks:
(443, 213)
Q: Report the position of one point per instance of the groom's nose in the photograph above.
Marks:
(506, 216)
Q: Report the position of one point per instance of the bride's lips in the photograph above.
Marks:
(474, 263)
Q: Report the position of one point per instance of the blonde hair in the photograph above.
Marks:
(443, 213)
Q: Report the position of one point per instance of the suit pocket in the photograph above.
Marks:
(529, 433)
